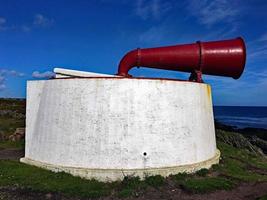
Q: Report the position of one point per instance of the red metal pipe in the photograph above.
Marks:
(221, 58)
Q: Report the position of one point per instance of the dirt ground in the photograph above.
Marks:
(11, 154)
(245, 191)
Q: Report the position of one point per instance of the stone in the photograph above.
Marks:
(18, 135)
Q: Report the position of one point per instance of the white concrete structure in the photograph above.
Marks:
(107, 128)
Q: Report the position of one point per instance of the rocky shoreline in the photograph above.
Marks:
(256, 136)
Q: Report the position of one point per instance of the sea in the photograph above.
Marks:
(241, 116)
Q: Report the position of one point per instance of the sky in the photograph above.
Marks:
(93, 35)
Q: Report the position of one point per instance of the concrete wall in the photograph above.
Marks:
(111, 123)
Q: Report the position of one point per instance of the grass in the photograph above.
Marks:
(129, 185)
(240, 163)
(17, 174)
(234, 168)
(6, 144)
(180, 177)
(155, 181)
(124, 193)
(205, 185)
(237, 162)
(9, 125)
(237, 165)
(17, 105)
(263, 197)
(202, 172)
(200, 183)
(12, 115)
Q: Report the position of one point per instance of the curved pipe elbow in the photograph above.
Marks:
(128, 61)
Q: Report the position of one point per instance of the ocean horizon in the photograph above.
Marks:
(242, 116)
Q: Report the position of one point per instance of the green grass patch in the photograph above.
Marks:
(155, 181)
(125, 193)
(9, 125)
(179, 178)
(202, 172)
(238, 170)
(236, 162)
(12, 145)
(237, 165)
(133, 183)
(130, 185)
(263, 197)
(12, 115)
(13, 173)
(204, 185)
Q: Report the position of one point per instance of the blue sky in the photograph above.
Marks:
(93, 35)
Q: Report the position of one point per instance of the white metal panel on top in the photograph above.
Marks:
(63, 73)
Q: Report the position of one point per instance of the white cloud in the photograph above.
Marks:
(153, 35)
(2, 87)
(3, 26)
(151, 8)
(42, 21)
(15, 73)
(2, 20)
(258, 47)
(259, 52)
(5, 73)
(228, 91)
(210, 12)
(263, 38)
(25, 28)
(47, 74)
(2, 82)
(39, 21)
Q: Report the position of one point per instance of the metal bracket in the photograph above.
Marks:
(196, 76)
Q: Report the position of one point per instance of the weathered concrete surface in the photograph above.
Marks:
(108, 175)
(119, 124)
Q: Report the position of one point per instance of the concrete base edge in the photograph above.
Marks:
(108, 175)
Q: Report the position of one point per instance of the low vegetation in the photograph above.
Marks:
(237, 165)
(241, 162)
(208, 184)
(17, 174)
(7, 144)
(12, 116)
(263, 198)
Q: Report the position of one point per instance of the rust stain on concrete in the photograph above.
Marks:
(209, 92)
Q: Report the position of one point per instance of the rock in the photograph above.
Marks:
(18, 135)
(259, 143)
(12, 114)
(259, 132)
(2, 136)
(48, 196)
(237, 140)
